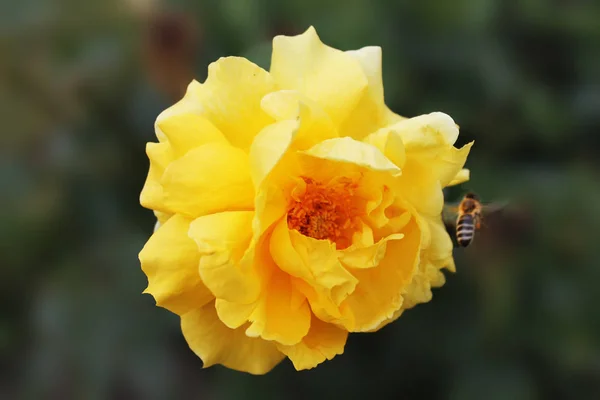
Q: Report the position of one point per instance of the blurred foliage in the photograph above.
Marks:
(80, 86)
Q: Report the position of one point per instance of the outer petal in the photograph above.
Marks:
(328, 76)
(152, 195)
(422, 147)
(421, 187)
(188, 131)
(371, 113)
(439, 252)
(323, 342)
(170, 260)
(449, 163)
(161, 218)
(208, 179)
(428, 140)
(227, 268)
(462, 176)
(215, 343)
(379, 291)
(230, 98)
(179, 129)
(419, 290)
(189, 104)
(425, 175)
(427, 131)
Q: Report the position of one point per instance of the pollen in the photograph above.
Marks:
(326, 211)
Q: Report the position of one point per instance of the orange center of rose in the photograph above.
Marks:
(325, 211)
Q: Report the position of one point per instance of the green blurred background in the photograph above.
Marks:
(80, 86)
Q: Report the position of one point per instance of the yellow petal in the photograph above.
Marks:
(230, 98)
(249, 282)
(179, 129)
(387, 214)
(314, 261)
(348, 150)
(363, 237)
(396, 315)
(390, 143)
(227, 267)
(323, 342)
(170, 261)
(215, 343)
(322, 305)
(378, 294)
(234, 315)
(152, 195)
(282, 314)
(189, 104)
(269, 147)
(371, 113)
(449, 163)
(421, 187)
(392, 117)
(419, 290)
(188, 131)
(315, 125)
(437, 254)
(440, 248)
(377, 207)
(273, 162)
(426, 131)
(462, 176)
(161, 217)
(272, 201)
(328, 76)
(369, 256)
(426, 173)
(210, 178)
(430, 158)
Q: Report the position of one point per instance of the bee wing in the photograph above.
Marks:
(494, 214)
(450, 213)
(495, 207)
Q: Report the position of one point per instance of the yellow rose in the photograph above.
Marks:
(294, 207)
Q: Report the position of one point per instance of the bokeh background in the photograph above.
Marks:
(81, 83)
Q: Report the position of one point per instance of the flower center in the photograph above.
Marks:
(325, 211)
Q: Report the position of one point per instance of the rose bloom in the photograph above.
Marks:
(294, 207)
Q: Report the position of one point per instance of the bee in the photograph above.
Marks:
(467, 217)
(468, 220)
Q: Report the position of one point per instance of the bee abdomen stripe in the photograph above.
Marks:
(465, 225)
(465, 218)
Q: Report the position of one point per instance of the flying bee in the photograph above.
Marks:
(469, 217)
(468, 220)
